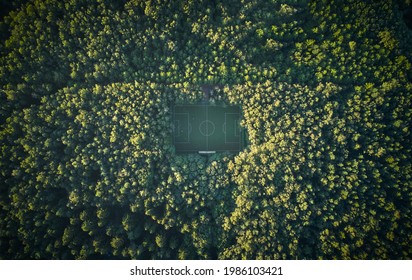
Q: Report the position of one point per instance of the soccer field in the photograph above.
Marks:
(207, 129)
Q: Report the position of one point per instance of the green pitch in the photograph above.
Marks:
(208, 129)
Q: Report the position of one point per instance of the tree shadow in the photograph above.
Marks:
(407, 18)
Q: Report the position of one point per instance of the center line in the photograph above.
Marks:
(207, 130)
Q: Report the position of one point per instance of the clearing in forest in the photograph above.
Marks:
(207, 129)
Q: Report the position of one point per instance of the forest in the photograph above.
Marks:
(88, 169)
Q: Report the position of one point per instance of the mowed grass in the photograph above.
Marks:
(207, 128)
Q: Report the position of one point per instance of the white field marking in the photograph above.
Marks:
(206, 133)
(235, 129)
(177, 128)
(226, 142)
(188, 136)
(207, 129)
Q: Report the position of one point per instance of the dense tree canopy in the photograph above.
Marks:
(88, 169)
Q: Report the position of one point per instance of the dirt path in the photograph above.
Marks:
(208, 88)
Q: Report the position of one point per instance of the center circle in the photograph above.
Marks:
(207, 128)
